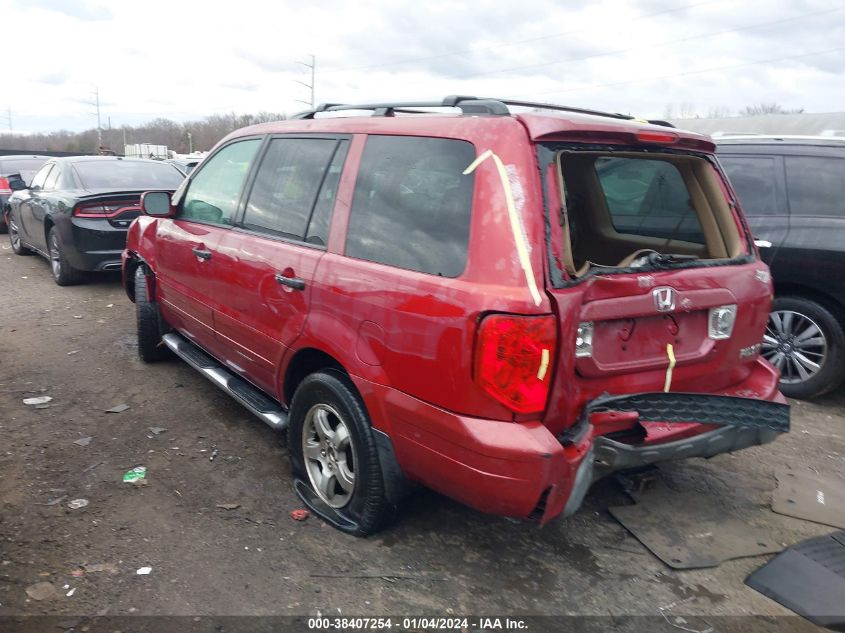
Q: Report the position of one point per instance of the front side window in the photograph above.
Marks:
(39, 178)
(291, 176)
(214, 192)
(648, 197)
(754, 179)
(815, 185)
(52, 179)
(412, 204)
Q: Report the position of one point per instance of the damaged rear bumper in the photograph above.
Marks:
(724, 424)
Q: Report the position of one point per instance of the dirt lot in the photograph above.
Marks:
(77, 346)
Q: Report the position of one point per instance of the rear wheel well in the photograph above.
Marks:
(305, 362)
(792, 290)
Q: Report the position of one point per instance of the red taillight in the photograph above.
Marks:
(103, 210)
(514, 359)
(664, 138)
(4, 187)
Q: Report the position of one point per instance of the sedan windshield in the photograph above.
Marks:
(127, 174)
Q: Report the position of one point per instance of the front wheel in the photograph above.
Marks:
(805, 342)
(15, 238)
(333, 453)
(63, 273)
(150, 325)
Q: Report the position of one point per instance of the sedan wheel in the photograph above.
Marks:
(63, 273)
(55, 255)
(329, 455)
(15, 239)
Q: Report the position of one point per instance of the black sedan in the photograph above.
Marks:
(76, 210)
(20, 165)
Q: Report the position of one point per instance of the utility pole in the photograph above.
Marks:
(9, 117)
(313, 67)
(190, 144)
(96, 104)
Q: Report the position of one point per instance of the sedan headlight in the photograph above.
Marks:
(584, 340)
(720, 324)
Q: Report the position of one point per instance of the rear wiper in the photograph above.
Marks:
(661, 259)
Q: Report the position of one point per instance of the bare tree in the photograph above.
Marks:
(768, 108)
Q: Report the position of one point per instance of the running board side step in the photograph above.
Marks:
(262, 406)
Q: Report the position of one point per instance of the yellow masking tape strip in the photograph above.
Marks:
(670, 352)
(544, 364)
(518, 236)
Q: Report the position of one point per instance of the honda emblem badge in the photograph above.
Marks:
(664, 299)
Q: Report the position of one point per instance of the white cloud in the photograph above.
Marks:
(190, 59)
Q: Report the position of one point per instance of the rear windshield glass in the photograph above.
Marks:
(26, 167)
(127, 174)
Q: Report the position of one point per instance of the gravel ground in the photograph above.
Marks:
(77, 346)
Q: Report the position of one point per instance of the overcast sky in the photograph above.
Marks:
(188, 59)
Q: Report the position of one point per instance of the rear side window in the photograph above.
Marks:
(52, 179)
(214, 193)
(754, 180)
(648, 197)
(412, 204)
(815, 185)
(289, 188)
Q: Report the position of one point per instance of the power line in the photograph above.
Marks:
(506, 44)
(656, 44)
(684, 74)
(313, 67)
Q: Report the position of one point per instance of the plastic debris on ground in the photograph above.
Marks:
(83, 441)
(135, 474)
(37, 400)
(144, 571)
(76, 504)
(111, 568)
(228, 506)
(41, 591)
(71, 592)
(300, 515)
(118, 409)
(157, 430)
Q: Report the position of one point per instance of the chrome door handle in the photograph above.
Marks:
(202, 254)
(291, 282)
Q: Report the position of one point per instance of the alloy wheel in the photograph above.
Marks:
(795, 345)
(55, 256)
(329, 456)
(14, 236)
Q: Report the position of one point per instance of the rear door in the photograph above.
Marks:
(267, 262)
(186, 246)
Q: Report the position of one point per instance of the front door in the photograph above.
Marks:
(186, 246)
(271, 256)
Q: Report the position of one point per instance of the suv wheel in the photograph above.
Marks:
(150, 324)
(15, 238)
(333, 453)
(63, 272)
(805, 342)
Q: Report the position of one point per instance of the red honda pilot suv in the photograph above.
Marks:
(500, 306)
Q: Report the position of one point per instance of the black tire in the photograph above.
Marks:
(63, 273)
(150, 324)
(15, 239)
(801, 329)
(367, 509)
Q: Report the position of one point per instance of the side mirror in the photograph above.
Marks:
(16, 183)
(157, 204)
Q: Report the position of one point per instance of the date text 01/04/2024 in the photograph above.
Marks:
(415, 623)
